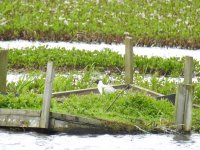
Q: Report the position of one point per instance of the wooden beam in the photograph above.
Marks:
(149, 92)
(44, 121)
(19, 118)
(23, 112)
(77, 119)
(128, 60)
(3, 69)
(83, 91)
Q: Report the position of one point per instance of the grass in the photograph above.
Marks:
(34, 82)
(73, 80)
(64, 60)
(130, 109)
(162, 23)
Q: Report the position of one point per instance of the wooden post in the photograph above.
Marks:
(188, 70)
(3, 69)
(128, 60)
(184, 96)
(44, 120)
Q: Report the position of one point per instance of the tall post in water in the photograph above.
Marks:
(3, 69)
(44, 119)
(128, 60)
(184, 96)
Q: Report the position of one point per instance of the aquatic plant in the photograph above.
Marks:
(129, 108)
(25, 101)
(64, 60)
(149, 22)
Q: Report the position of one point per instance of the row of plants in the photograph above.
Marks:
(37, 58)
(34, 82)
(162, 22)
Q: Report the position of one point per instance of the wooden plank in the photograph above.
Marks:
(128, 60)
(19, 121)
(3, 69)
(149, 92)
(76, 119)
(83, 91)
(22, 112)
(75, 92)
(95, 90)
(44, 121)
(72, 127)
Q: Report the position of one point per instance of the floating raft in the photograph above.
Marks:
(30, 119)
(44, 119)
(57, 122)
(68, 123)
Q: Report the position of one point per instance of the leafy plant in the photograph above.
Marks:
(64, 60)
(105, 22)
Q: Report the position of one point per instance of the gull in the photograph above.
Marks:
(104, 88)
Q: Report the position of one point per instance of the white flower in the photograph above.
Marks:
(61, 18)
(169, 15)
(3, 22)
(66, 22)
(178, 20)
(143, 15)
(45, 23)
(186, 22)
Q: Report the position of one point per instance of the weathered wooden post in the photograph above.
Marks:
(3, 69)
(128, 60)
(44, 119)
(184, 96)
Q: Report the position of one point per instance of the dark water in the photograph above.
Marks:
(36, 141)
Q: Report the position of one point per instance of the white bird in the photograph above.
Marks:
(104, 89)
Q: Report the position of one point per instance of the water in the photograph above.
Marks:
(164, 52)
(35, 141)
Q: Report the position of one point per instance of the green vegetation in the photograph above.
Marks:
(37, 58)
(130, 109)
(34, 83)
(163, 22)
(25, 101)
